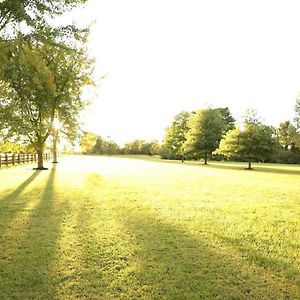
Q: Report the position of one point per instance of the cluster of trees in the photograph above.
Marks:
(43, 69)
(212, 133)
(91, 143)
(142, 147)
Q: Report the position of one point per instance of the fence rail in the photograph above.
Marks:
(7, 159)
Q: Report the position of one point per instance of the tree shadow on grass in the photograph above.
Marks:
(27, 271)
(12, 196)
(261, 257)
(175, 265)
(11, 204)
(263, 168)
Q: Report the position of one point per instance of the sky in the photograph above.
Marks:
(161, 57)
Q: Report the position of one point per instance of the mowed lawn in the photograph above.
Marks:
(125, 228)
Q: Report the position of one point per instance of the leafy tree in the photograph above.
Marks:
(41, 83)
(154, 147)
(135, 147)
(142, 147)
(175, 137)
(104, 146)
(256, 142)
(207, 126)
(92, 144)
(88, 142)
(227, 118)
(287, 134)
(297, 109)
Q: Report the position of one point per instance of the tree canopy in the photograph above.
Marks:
(175, 137)
(256, 142)
(40, 83)
(206, 128)
(287, 135)
(31, 12)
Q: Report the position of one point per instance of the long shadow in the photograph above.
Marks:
(256, 168)
(225, 166)
(21, 187)
(175, 265)
(11, 204)
(28, 273)
(261, 257)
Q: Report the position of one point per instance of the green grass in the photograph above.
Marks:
(120, 228)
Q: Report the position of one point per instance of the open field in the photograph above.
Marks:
(119, 228)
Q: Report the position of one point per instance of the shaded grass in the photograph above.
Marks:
(292, 169)
(117, 228)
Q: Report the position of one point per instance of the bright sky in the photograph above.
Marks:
(164, 56)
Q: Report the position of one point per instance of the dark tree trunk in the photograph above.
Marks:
(40, 160)
(205, 158)
(249, 165)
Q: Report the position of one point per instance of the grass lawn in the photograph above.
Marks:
(119, 228)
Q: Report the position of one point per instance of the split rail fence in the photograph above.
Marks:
(7, 159)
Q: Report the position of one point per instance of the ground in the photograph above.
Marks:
(129, 228)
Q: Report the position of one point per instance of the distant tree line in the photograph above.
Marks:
(91, 143)
(213, 134)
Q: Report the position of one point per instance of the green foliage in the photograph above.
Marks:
(175, 137)
(287, 135)
(108, 147)
(88, 142)
(91, 143)
(256, 142)
(288, 156)
(40, 83)
(142, 147)
(297, 117)
(12, 147)
(32, 12)
(206, 128)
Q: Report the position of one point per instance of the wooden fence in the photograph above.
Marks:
(7, 159)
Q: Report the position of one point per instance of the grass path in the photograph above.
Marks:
(119, 228)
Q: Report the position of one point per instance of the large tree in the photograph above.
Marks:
(256, 142)
(175, 137)
(206, 128)
(41, 83)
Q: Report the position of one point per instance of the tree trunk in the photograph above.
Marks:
(249, 165)
(40, 160)
(54, 150)
(205, 158)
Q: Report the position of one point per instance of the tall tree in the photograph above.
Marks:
(256, 142)
(175, 137)
(206, 128)
(42, 82)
